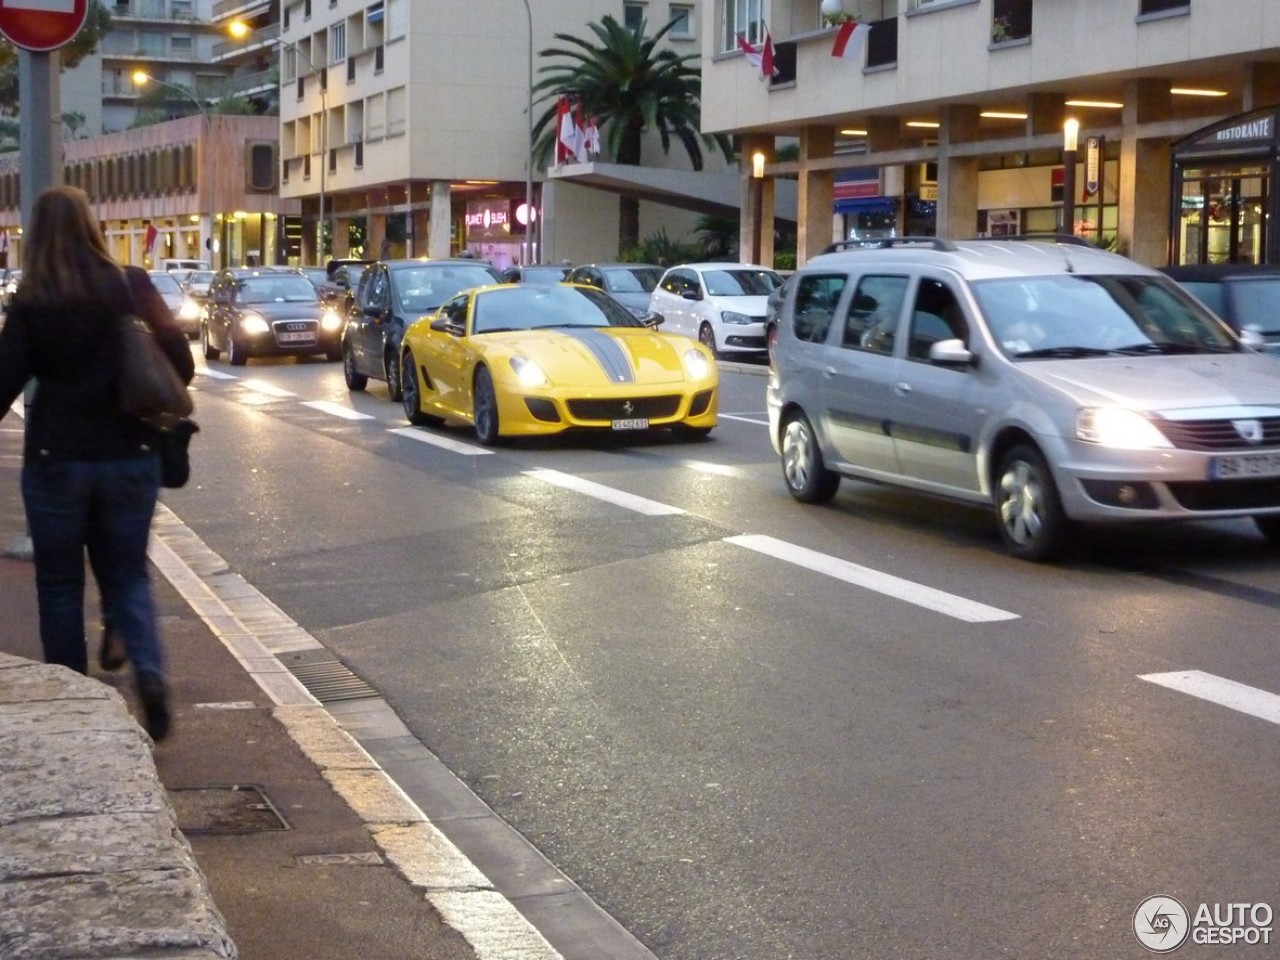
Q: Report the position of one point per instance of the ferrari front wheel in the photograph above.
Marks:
(411, 393)
(484, 404)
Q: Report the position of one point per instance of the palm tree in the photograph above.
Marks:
(631, 89)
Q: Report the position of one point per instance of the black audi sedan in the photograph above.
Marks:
(260, 312)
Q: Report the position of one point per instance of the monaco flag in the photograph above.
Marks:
(850, 39)
(761, 59)
(567, 134)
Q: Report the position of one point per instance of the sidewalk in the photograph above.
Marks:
(294, 871)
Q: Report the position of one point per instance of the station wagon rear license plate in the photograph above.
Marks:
(1245, 466)
(635, 423)
(297, 337)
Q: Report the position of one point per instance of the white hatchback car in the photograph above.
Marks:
(721, 304)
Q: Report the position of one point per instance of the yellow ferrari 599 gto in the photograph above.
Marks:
(518, 360)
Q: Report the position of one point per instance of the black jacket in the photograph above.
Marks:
(72, 351)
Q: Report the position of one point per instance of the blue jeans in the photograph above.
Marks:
(104, 508)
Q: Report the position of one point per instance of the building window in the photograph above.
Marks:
(1160, 6)
(306, 9)
(285, 22)
(396, 100)
(742, 18)
(289, 63)
(681, 21)
(397, 18)
(180, 44)
(337, 43)
(633, 15)
(182, 10)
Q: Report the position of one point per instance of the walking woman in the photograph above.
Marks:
(90, 473)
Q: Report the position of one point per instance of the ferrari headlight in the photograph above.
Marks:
(330, 321)
(696, 365)
(1120, 428)
(190, 310)
(528, 373)
(253, 323)
(729, 316)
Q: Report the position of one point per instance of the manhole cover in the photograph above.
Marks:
(236, 809)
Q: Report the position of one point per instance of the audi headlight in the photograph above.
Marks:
(1120, 428)
(528, 373)
(729, 316)
(330, 320)
(253, 323)
(190, 310)
(696, 365)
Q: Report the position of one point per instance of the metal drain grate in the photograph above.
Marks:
(330, 681)
(242, 808)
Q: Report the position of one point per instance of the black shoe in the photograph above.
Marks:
(155, 705)
(111, 654)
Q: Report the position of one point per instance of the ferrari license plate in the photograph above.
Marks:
(1246, 465)
(635, 423)
(296, 337)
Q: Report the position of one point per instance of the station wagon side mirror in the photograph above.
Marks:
(691, 295)
(951, 353)
(451, 327)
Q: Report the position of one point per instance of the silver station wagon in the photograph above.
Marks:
(1056, 382)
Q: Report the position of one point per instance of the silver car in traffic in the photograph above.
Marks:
(1053, 381)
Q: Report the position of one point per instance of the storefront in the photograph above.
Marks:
(1224, 199)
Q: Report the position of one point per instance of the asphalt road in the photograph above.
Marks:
(754, 729)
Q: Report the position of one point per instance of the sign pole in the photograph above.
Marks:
(40, 143)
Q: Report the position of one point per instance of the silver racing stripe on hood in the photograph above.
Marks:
(607, 351)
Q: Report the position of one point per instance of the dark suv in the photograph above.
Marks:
(392, 295)
(1245, 295)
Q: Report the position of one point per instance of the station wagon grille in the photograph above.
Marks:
(650, 408)
(1217, 434)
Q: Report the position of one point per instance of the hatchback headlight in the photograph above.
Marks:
(729, 316)
(528, 373)
(190, 310)
(253, 323)
(696, 365)
(330, 320)
(1119, 428)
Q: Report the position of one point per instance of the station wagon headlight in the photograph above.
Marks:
(696, 365)
(1120, 428)
(528, 373)
(253, 323)
(330, 320)
(729, 316)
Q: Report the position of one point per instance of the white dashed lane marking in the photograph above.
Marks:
(1219, 690)
(270, 389)
(337, 410)
(630, 501)
(444, 443)
(215, 374)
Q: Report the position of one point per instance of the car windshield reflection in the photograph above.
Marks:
(281, 289)
(539, 307)
(424, 289)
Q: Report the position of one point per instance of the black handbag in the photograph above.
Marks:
(175, 455)
(150, 388)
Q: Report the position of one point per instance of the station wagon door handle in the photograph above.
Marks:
(902, 388)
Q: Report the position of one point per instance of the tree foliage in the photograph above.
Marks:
(97, 24)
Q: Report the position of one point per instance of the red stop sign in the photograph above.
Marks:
(42, 24)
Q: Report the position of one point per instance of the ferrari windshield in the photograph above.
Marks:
(280, 288)
(424, 288)
(1072, 316)
(538, 306)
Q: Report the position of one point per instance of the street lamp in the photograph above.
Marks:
(239, 30)
(528, 173)
(141, 78)
(1070, 140)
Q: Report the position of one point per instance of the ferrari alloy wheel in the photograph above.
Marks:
(206, 347)
(806, 475)
(485, 408)
(1032, 522)
(395, 388)
(411, 394)
(355, 380)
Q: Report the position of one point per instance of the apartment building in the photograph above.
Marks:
(951, 117)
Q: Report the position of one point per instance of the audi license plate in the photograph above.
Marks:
(634, 423)
(1246, 465)
(303, 337)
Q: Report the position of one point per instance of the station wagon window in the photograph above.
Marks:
(816, 299)
(377, 289)
(678, 281)
(936, 316)
(873, 313)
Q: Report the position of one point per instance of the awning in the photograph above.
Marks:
(887, 206)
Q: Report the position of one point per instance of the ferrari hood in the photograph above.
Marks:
(602, 355)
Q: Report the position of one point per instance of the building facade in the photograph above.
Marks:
(951, 117)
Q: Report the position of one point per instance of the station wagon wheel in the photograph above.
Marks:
(209, 352)
(395, 388)
(484, 403)
(1269, 527)
(355, 379)
(1032, 522)
(411, 395)
(707, 337)
(806, 475)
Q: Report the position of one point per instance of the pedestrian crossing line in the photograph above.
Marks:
(270, 389)
(745, 419)
(337, 410)
(650, 508)
(444, 443)
(215, 374)
(915, 593)
(1219, 690)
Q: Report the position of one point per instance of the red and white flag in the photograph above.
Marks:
(850, 39)
(152, 233)
(591, 138)
(567, 135)
(762, 58)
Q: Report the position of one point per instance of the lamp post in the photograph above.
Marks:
(1070, 141)
(528, 173)
(141, 78)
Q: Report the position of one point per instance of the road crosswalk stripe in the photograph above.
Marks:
(270, 389)
(1219, 690)
(423, 436)
(651, 508)
(916, 593)
(337, 410)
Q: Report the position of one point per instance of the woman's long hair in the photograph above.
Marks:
(65, 257)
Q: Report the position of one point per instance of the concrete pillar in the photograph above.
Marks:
(1261, 86)
(1145, 169)
(419, 225)
(441, 217)
(815, 193)
(340, 243)
(755, 226)
(376, 233)
(957, 176)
